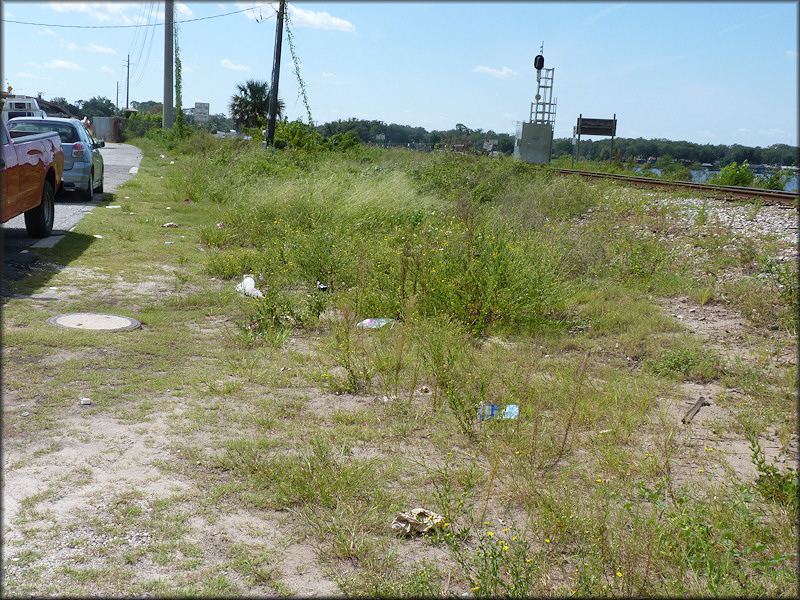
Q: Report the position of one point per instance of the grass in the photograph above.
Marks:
(506, 285)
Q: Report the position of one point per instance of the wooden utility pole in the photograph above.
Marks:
(276, 71)
(168, 118)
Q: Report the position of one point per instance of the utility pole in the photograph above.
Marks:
(116, 104)
(169, 45)
(276, 71)
(128, 85)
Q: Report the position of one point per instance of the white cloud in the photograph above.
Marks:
(503, 73)
(48, 32)
(63, 64)
(186, 69)
(261, 10)
(107, 70)
(329, 74)
(183, 12)
(69, 45)
(101, 49)
(112, 12)
(773, 131)
(600, 15)
(229, 65)
(319, 20)
(28, 75)
(300, 17)
(792, 54)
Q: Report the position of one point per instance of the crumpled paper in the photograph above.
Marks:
(417, 520)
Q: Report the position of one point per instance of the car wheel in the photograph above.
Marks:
(99, 188)
(39, 220)
(88, 193)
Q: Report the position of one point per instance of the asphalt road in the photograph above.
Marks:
(121, 162)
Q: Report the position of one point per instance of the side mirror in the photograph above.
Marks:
(100, 144)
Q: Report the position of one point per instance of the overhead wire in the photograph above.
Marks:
(141, 67)
(235, 12)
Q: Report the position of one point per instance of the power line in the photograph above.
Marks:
(128, 26)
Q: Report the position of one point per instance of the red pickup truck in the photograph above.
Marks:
(32, 169)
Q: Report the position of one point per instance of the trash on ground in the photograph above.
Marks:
(248, 287)
(114, 206)
(417, 520)
(26, 413)
(374, 323)
(490, 411)
(162, 156)
(169, 243)
(221, 224)
(86, 401)
(170, 224)
(322, 287)
(98, 236)
(172, 162)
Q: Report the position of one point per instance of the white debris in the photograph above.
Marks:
(248, 288)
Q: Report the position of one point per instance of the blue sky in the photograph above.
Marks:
(704, 72)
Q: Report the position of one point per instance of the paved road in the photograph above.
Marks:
(121, 161)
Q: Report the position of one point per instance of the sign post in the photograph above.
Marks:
(595, 127)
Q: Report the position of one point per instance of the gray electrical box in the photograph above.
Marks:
(533, 142)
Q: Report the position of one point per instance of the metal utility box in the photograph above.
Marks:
(533, 142)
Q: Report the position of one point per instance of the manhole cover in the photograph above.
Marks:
(96, 321)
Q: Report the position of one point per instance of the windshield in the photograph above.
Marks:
(67, 133)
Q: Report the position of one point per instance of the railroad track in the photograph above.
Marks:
(723, 192)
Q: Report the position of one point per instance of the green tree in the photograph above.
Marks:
(98, 106)
(149, 106)
(70, 108)
(250, 106)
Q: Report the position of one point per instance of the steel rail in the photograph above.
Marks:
(723, 192)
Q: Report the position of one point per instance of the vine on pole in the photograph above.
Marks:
(296, 63)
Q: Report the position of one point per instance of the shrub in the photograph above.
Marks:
(735, 174)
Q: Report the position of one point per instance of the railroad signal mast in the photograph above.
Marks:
(543, 111)
(534, 139)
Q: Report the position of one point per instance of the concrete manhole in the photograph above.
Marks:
(94, 321)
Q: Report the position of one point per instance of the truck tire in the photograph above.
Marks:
(39, 220)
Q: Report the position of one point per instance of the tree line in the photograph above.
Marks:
(716, 154)
(249, 107)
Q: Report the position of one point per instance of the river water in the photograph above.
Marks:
(702, 175)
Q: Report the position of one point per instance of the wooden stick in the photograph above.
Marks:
(695, 409)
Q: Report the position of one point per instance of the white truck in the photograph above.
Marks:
(21, 106)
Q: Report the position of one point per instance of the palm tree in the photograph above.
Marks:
(251, 103)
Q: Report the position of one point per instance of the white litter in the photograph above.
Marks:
(374, 323)
(248, 287)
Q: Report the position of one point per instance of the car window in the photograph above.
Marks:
(87, 134)
(67, 133)
(3, 135)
